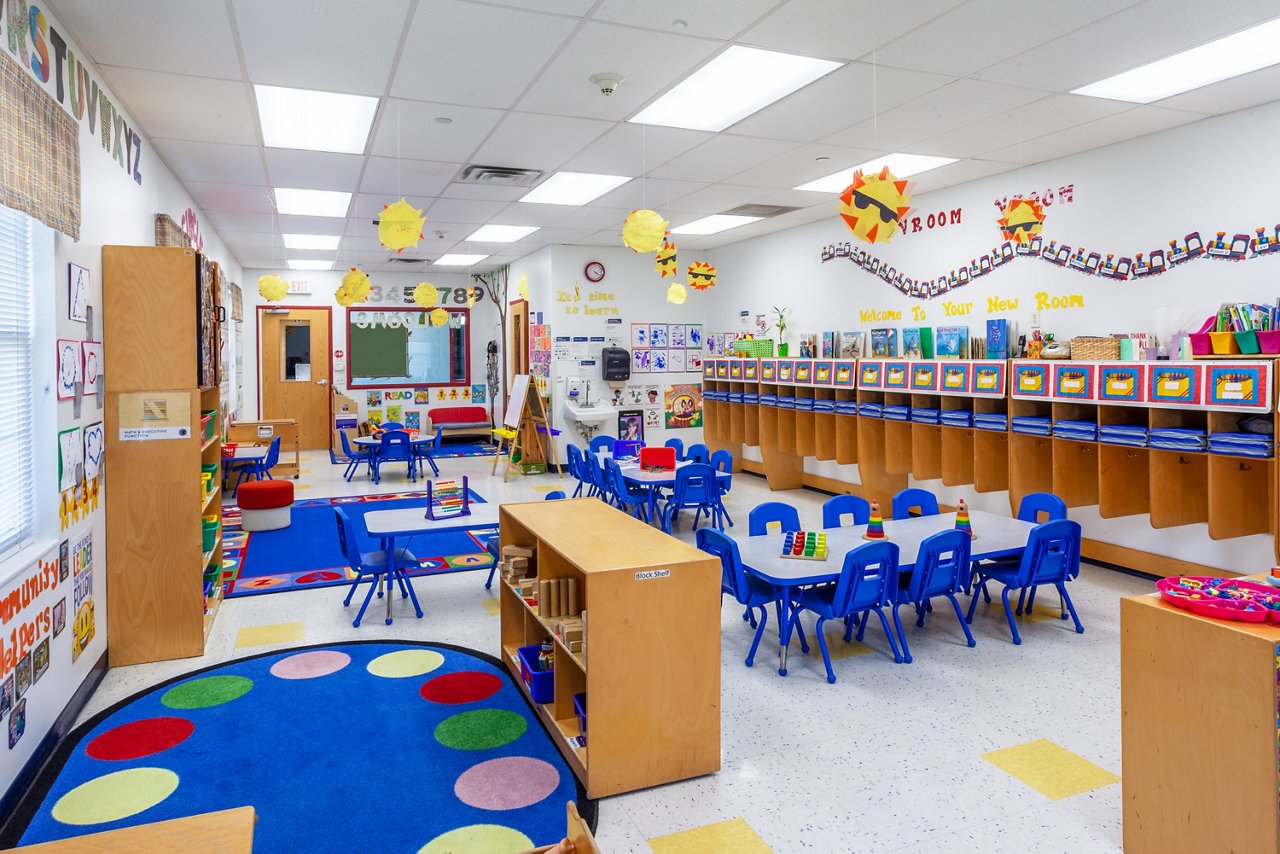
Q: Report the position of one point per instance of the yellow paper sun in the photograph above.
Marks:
(701, 275)
(522, 287)
(272, 287)
(355, 288)
(677, 293)
(643, 231)
(439, 317)
(1022, 220)
(665, 260)
(873, 206)
(473, 296)
(400, 226)
(426, 295)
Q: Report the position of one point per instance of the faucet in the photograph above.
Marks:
(587, 383)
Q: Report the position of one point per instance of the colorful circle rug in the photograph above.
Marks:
(362, 746)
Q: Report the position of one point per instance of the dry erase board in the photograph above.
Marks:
(515, 406)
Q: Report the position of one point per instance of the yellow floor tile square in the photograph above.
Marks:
(493, 606)
(836, 647)
(269, 634)
(733, 835)
(1053, 771)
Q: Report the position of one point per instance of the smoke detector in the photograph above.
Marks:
(607, 81)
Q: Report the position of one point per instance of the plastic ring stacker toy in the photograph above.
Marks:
(265, 505)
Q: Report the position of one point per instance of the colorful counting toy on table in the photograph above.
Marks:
(805, 545)
(962, 520)
(447, 499)
(875, 527)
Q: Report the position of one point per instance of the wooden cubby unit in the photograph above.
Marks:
(846, 430)
(1075, 463)
(824, 426)
(926, 442)
(897, 437)
(651, 662)
(990, 449)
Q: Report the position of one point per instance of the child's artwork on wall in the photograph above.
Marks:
(676, 361)
(70, 458)
(639, 336)
(91, 355)
(658, 361)
(653, 418)
(683, 406)
(677, 336)
(658, 335)
(77, 292)
(693, 360)
(640, 361)
(693, 336)
(714, 344)
(94, 442)
(69, 368)
(631, 425)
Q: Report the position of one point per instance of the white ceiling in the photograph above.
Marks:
(980, 80)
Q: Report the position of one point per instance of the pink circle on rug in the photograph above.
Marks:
(511, 783)
(309, 665)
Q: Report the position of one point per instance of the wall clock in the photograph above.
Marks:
(594, 271)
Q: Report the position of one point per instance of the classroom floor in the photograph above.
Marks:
(995, 748)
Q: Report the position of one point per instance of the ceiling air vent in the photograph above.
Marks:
(400, 259)
(498, 176)
(763, 211)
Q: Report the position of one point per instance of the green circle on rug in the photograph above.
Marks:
(479, 839)
(206, 692)
(405, 663)
(114, 796)
(481, 729)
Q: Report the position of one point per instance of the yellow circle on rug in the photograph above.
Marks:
(479, 839)
(114, 796)
(405, 663)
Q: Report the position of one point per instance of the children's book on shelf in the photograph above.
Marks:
(997, 339)
(851, 344)
(809, 345)
(884, 342)
(953, 342)
(829, 345)
(917, 343)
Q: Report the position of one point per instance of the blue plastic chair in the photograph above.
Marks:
(374, 567)
(1035, 507)
(355, 457)
(494, 550)
(426, 451)
(772, 511)
(1052, 557)
(395, 447)
(678, 444)
(600, 443)
(575, 464)
(604, 489)
(914, 499)
(722, 461)
(554, 495)
(942, 569)
(836, 508)
(868, 581)
(258, 469)
(631, 497)
(698, 453)
(746, 589)
(695, 489)
(391, 425)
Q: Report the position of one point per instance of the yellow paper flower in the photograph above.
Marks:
(400, 225)
(272, 287)
(701, 275)
(522, 287)
(677, 293)
(439, 317)
(426, 295)
(665, 259)
(643, 231)
(872, 207)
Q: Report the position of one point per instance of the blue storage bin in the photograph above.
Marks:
(580, 709)
(541, 683)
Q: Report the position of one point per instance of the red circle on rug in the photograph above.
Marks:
(466, 686)
(140, 738)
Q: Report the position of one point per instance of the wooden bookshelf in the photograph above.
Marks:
(156, 565)
(650, 667)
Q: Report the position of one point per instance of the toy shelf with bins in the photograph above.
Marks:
(650, 665)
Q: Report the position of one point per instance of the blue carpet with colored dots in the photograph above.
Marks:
(364, 746)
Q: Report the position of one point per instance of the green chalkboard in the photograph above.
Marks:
(379, 351)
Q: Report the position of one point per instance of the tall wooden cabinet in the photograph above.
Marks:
(160, 338)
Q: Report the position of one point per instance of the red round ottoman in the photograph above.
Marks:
(265, 504)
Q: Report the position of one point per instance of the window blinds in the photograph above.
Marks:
(16, 427)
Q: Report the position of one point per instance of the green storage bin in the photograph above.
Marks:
(1248, 343)
(211, 469)
(757, 348)
(210, 526)
(209, 419)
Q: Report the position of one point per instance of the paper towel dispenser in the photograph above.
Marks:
(615, 363)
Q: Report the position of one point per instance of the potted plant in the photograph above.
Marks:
(781, 326)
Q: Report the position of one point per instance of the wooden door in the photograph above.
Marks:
(531, 448)
(294, 370)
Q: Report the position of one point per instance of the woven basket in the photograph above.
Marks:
(1095, 349)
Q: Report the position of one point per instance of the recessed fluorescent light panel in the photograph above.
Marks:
(1229, 56)
(310, 265)
(714, 224)
(502, 233)
(314, 121)
(573, 188)
(737, 83)
(312, 202)
(310, 241)
(901, 165)
(459, 260)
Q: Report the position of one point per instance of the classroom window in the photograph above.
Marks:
(297, 351)
(392, 348)
(17, 277)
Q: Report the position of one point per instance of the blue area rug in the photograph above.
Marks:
(364, 746)
(306, 554)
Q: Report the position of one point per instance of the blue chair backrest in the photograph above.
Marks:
(678, 444)
(867, 579)
(600, 474)
(695, 485)
(613, 477)
(733, 577)
(574, 455)
(346, 444)
(942, 565)
(273, 454)
(347, 541)
(699, 453)
(392, 425)
(834, 509)
(722, 460)
(395, 446)
(600, 443)
(925, 500)
(772, 511)
(438, 442)
(554, 495)
(1052, 553)
(1035, 503)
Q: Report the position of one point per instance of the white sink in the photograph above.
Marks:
(596, 415)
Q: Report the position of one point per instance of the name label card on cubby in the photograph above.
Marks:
(1228, 386)
(1122, 384)
(924, 376)
(709, 369)
(735, 370)
(822, 373)
(768, 370)
(749, 369)
(1031, 380)
(1239, 385)
(844, 373)
(784, 370)
(1073, 381)
(895, 375)
(803, 371)
(988, 378)
(870, 375)
(722, 369)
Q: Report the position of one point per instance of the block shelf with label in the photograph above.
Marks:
(652, 607)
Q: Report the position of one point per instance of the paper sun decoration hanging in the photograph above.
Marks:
(426, 295)
(643, 231)
(665, 260)
(701, 276)
(1021, 220)
(677, 293)
(522, 287)
(439, 317)
(272, 287)
(873, 206)
(355, 288)
(473, 296)
(400, 226)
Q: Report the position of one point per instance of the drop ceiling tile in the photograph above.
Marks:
(212, 162)
(793, 198)
(314, 170)
(717, 19)
(180, 38)
(957, 173)
(1238, 93)
(418, 180)
(647, 193)
(484, 56)
(408, 128)
(309, 224)
(840, 28)
(484, 192)
(564, 88)
(232, 198)
(531, 141)
(1050, 114)
(631, 149)
(573, 8)
(716, 198)
(545, 236)
(607, 237)
(280, 42)
(1139, 121)
(258, 242)
(725, 155)
(464, 210)
(801, 165)
(595, 217)
(518, 213)
(230, 221)
(176, 106)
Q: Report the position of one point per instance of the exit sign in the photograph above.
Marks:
(300, 287)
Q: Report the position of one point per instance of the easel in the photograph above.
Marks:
(524, 410)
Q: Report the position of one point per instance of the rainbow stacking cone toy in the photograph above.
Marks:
(875, 526)
(962, 520)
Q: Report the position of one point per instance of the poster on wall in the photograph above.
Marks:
(94, 441)
(683, 406)
(652, 395)
(631, 425)
(70, 458)
(83, 626)
(653, 418)
(91, 357)
(77, 292)
(68, 368)
(478, 394)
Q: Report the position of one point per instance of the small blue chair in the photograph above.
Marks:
(698, 453)
(678, 444)
(374, 567)
(914, 499)
(629, 497)
(695, 488)
(425, 452)
(1052, 557)
(600, 443)
(746, 589)
(391, 425)
(868, 581)
(763, 515)
(355, 458)
(600, 479)
(395, 447)
(575, 463)
(258, 469)
(722, 461)
(1035, 507)
(554, 495)
(834, 510)
(942, 569)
